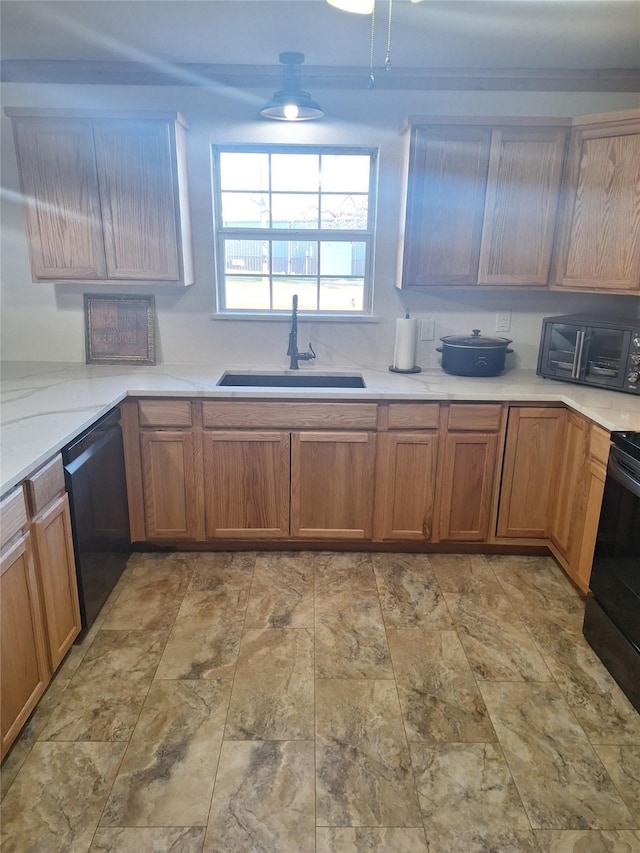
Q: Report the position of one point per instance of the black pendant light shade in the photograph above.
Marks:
(291, 103)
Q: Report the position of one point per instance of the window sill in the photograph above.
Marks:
(302, 318)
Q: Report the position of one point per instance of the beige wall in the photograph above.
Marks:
(45, 321)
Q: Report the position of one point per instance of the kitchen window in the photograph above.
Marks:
(294, 220)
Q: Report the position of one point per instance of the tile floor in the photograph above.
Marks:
(334, 703)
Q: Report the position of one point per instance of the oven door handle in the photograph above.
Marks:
(619, 469)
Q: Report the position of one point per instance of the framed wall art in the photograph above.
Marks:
(119, 329)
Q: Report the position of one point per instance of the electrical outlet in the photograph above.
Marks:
(427, 329)
(503, 321)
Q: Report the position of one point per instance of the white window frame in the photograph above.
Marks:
(222, 233)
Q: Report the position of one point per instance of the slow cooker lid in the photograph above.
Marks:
(475, 339)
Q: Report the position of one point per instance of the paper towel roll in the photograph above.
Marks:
(404, 353)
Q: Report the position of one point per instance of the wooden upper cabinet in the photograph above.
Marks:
(481, 202)
(445, 198)
(106, 195)
(521, 205)
(59, 184)
(599, 241)
(135, 174)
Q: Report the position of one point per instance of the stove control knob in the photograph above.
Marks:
(636, 339)
(635, 359)
(633, 377)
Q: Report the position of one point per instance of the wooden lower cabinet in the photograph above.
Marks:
(56, 565)
(468, 476)
(25, 668)
(172, 484)
(566, 524)
(406, 477)
(530, 471)
(332, 485)
(246, 478)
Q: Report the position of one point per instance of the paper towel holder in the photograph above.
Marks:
(408, 370)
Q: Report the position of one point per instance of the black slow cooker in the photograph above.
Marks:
(473, 355)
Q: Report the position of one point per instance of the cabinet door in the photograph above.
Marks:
(332, 479)
(246, 477)
(529, 485)
(406, 464)
(599, 247)
(62, 206)
(25, 670)
(55, 559)
(567, 520)
(445, 201)
(138, 198)
(467, 486)
(521, 205)
(172, 490)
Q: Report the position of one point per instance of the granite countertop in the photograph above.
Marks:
(46, 405)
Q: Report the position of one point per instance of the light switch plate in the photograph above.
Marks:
(427, 329)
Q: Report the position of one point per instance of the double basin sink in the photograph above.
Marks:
(290, 380)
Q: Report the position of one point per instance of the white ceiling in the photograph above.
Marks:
(562, 34)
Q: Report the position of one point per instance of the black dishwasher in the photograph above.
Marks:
(95, 480)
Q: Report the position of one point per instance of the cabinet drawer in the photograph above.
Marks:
(45, 485)
(414, 415)
(473, 416)
(164, 413)
(290, 415)
(14, 514)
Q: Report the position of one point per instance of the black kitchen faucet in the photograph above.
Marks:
(293, 340)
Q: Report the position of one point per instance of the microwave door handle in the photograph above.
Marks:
(577, 357)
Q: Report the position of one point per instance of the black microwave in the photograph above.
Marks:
(604, 353)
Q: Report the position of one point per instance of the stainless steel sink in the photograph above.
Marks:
(291, 380)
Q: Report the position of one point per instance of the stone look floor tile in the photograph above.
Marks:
(205, 639)
(559, 776)
(151, 598)
(601, 708)
(623, 765)
(343, 573)
(468, 799)
(544, 602)
(594, 841)
(346, 839)
(104, 697)
(281, 592)
(148, 840)
(497, 644)
(263, 798)
(223, 571)
(167, 775)
(409, 592)
(439, 696)
(464, 573)
(55, 803)
(272, 695)
(350, 637)
(363, 770)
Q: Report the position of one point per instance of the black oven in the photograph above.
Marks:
(591, 351)
(612, 614)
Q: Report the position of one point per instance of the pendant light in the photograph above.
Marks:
(291, 103)
(360, 7)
